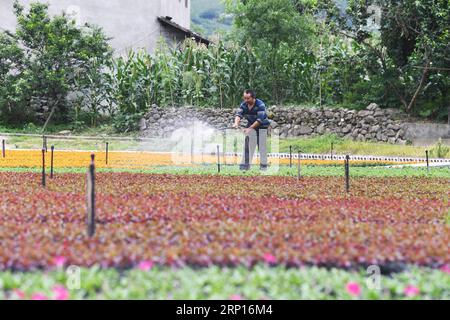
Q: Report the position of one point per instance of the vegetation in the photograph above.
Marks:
(205, 243)
(46, 60)
(289, 51)
(316, 145)
(232, 171)
(261, 282)
(322, 145)
(403, 49)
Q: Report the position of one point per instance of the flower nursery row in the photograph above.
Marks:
(176, 220)
(140, 160)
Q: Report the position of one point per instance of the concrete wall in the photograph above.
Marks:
(131, 23)
(179, 10)
(427, 133)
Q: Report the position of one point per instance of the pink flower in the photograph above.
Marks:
(61, 293)
(59, 261)
(270, 259)
(411, 291)
(145, 265)
(39, 296)
(353, 289)
(236, 297)
(446, 268)
(19, 293)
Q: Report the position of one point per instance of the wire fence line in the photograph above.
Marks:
(149, 146)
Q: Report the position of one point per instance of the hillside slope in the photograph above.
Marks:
(208, 17)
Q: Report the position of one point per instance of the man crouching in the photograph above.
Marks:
(254, 111)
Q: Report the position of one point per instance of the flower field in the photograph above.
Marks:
(227, 221)
(142, 160)
(275, 236)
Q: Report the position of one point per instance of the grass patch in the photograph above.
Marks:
(21, 142)
(307, 171)
(322, 145)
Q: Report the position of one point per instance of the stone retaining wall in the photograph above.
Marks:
(370, 124)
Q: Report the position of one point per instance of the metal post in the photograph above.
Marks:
(347, 173)
(44, 143)
(3, 148)
(43, 167)
(428, 160)
(290, 156)
(218, 158)
(107, 152)
(51, 161)
(235, 157)
(299, 168)
(91, 198)
(224, 144)
(247, 152)
(332, 150)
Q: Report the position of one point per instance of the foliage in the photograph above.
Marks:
(289, 51)
(190, 75)
(177, 220)
(45, 61)
(284, 171)
(64, 158)
(406, 50)
(440, 150)
(282, 40)
(261, 282)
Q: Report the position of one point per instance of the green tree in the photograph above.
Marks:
(55, 64)
(408, 52)
(11, 85)
(277, 31)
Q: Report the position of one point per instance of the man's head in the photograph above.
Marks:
(249, 97)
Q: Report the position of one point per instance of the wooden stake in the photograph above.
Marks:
(43, 167)
(90, 192)
(3, 148)
(299, 168)
(51, 161)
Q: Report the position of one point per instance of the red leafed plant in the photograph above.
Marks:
(206, 220)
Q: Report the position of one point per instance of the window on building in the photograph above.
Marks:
(186, 3)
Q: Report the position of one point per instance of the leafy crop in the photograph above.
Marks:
(177, 220)
(261, 282)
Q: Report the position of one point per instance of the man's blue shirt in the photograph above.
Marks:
(257, 113)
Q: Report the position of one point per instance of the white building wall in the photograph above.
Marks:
(179, 10)
(132, 24)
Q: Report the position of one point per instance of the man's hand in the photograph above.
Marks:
(248, 130)
(237, 121)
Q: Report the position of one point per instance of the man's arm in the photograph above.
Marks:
(256, 125)
(262, 116)
(238, 118)
(237, 121)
